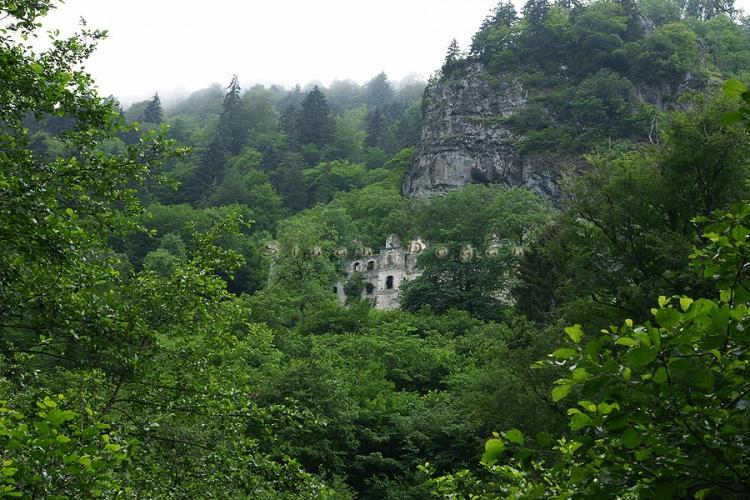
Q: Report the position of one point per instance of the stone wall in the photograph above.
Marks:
(384, 273)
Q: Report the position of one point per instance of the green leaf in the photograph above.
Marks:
(544, 439)
(565, 353)
(580, 374)
(57, 417)
(616, 422)
(561, 391)
(640, 357)
(667, 317)
(606, 408)
(642, 454)
(579, 421)
(574, 332)
(704, 379)
(493, 449)
(626, 341)
(734, 87)
(514, 436)
(48, 402)
(660, 375)
(62, 439)
(631, 438)
(685, 303)
(731, 118)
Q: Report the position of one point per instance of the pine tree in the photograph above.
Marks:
(536, 12)
(210, 172)
(293, 98)
(453, 55)
(153, 112)
(232, 128)
(287, 121)
(379, 91)
(314, 121)
(375, 125)
(503, 15)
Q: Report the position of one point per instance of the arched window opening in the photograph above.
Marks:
(356, 267)
(370, 265)
(389, 282)
(369, 288)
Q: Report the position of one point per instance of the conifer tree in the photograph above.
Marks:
(314, 121)
(453, 54)
(287, 121)
(153, 112)
(503, 15)
(293, 98)
(535, 12)
(210, 172)
(231, 126)
(379, 91)
(375, 124)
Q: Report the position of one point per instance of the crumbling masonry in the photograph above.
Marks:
(383, 273)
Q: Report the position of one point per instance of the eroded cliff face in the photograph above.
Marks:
(465, 141)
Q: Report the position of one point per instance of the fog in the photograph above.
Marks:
(176, 46)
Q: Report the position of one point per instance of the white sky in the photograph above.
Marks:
(176, 46)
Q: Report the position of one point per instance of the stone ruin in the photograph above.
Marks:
(383, 273)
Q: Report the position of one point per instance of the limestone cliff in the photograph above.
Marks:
(464, 139)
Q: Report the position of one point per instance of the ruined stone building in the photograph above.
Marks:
(383, 273)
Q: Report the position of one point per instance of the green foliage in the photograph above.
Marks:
(735, 88)
(354, 287)
(473, 221)
(660, 12)
(58, 452)
(314, 124)
(379, 91)
(596, 73)
(197, 359)
(231, 128)
(324, 180)
(666, 55)
(447, 283)
(627, 234)
(153, 112)
(661, 405)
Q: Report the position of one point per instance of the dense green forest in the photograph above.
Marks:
(151, 346)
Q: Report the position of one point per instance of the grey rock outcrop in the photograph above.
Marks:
(465, 140)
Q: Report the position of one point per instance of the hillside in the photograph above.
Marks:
(535, 93)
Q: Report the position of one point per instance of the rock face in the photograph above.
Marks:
(465, 141)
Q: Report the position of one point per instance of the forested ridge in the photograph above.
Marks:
(168, 325)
